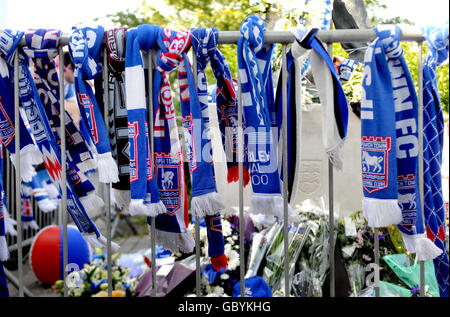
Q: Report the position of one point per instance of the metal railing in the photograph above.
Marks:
(225, 37)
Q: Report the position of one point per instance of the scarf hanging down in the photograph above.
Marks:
(117, 114)
(389, 145)
(255, 71)
(332, 97)
(42, 54)
(4, 253)
(171, 226)
(27, 216)
(204, 43)
(433, 122)
(35, 188)
(42, 47)
(45, 141)
(29, 154)
(206, 202)
(144, 192)
(85, 49)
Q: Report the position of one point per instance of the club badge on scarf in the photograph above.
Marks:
(389, 145)
(29, 154)
(433, 142)
(145, 195)
(85, 49)
(45, 140)
(255, 71)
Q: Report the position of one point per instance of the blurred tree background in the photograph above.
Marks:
(278, 14)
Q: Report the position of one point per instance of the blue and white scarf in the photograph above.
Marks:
(204, 43)
(85, 49)
(42, 47)
(145, 196)
(26, 208)
(46, 142)
(29, 154)
(255, 71)
(4, 253)
(433, 122)
(389, 145)
(35, 188)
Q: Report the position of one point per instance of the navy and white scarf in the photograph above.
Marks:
(29, 154)
(42, 53)
(4, 253)
(36, 189)
(85, 49)
(255, 71)
(26, 208)
(45, 140)
(433, 122)
(389, 145)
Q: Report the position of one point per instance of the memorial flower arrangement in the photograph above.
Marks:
(92, 279)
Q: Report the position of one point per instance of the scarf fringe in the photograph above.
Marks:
(423, 247)
(29, 156)
(99, 241)
(207, 205)
(381, 213)
(139, 208)
(122, 199)
(91, 202)
(334, 156)
(30, 224)
(87, 165)
(272, 205)
(107, 168)
(52, 191)
(46, 205)
(174, 241)
(219, 262)
(4, 253)
(233, 175)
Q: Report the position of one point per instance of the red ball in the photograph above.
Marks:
(46, 257)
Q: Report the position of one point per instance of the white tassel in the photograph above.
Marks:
(46, 205)
(381, 213)
(333, 155)
(52, 191)
(423, 247)
(138, 207)
(87, 165)
(207, 205)
(271, 205)
(114, 246)
(92, 240)
(91, 202)
(122, 198)
(107, 168)
(174, 241)
(4, 253)
(29, 155)
(9, 224)
(30, 224)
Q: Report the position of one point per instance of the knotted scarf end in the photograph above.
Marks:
(29, 156)
(207, 205)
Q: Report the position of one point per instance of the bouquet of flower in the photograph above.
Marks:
(92, 279)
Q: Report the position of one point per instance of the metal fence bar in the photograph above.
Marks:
(107, 186)
(285, 170)
(377, 261)
(18, 177)
(240, 155)
(421, 182)
(62, 114)
(150, 122)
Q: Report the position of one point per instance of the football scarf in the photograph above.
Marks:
(170, 226)
(145, 196)
(254, 63)
(117, 114)
(26, 208)
(433, 122)
(332, 97)
(204, 43)
(35, 188)
(389, 145)
(4, 253)
(85, 49)
(42, 47)
(206, 202)
(29, 154)
(45, 141)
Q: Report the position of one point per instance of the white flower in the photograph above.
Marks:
(218, 290)
(226, 228)
(203, 234)
(224, 276)
(233, 259)
(235, 237)
(119, 286)
(230, 240)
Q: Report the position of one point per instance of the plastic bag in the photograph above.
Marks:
(410, 274)
(386, 290)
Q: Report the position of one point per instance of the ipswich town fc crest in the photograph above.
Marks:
(6, 126)
(169, 175)
(407, 201)
(374, 158)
